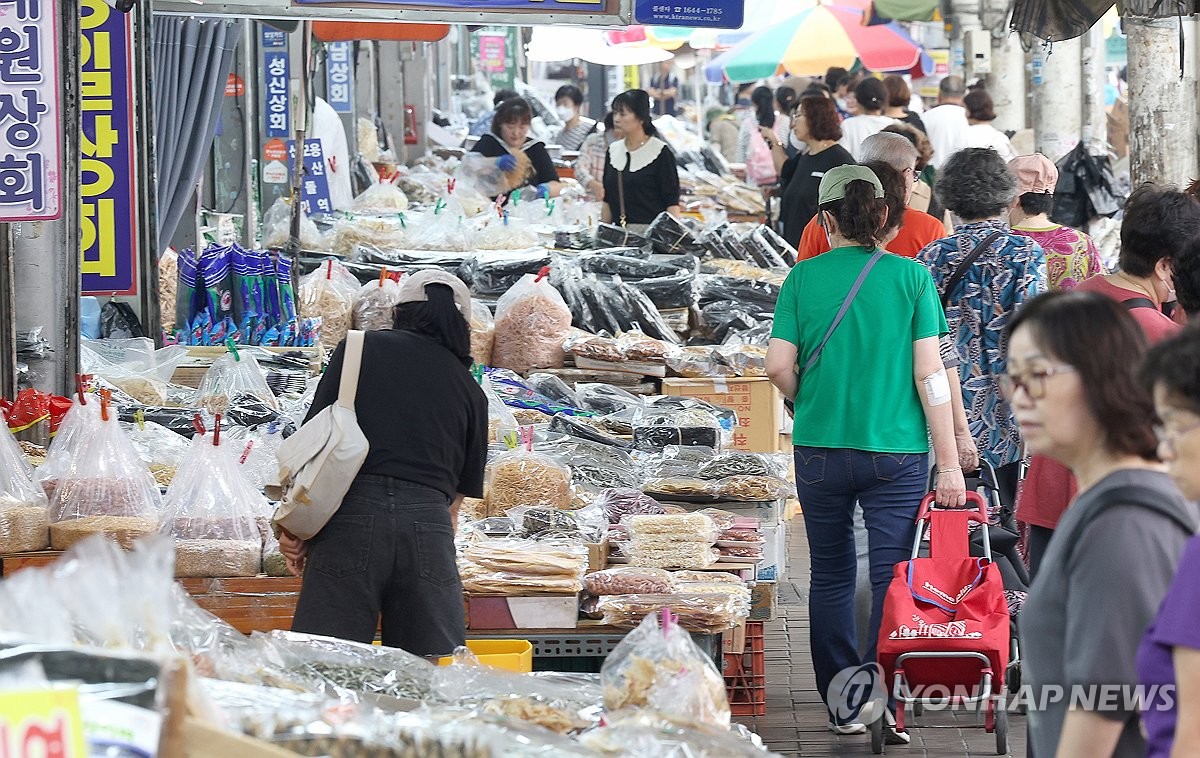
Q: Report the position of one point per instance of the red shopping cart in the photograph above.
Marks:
(945, 633)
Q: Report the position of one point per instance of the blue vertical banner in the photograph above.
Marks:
(339, 76)
(277, 100)
(108, 160)
(314, 190)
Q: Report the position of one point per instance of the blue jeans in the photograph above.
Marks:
(889, 488)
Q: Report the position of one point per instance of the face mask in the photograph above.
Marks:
(564, 112)
(796, 142)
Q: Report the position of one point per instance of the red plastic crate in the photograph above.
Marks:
(746, 676)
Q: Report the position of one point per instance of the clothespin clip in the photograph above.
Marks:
(545, 272)
(139, 417)
(237, 357)
(217, 430)
(79, 389)
(198, 424)
(105, 399)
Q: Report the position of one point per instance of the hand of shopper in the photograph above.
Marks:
(294, 551)
(543, 191)
(768, 135)
(506, 162)
(968, 453)
(951, 488)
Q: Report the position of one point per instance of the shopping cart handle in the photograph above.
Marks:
(975, 503)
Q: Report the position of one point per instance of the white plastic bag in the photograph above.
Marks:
(381, 197)
(24, 509)
(532, 322)
(232, 376)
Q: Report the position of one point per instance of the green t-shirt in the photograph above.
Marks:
(860, 394)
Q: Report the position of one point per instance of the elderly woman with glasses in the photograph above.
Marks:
(1071, 380)
(1170, 651)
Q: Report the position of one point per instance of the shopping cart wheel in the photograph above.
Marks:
(876, 728)
(918, 708)
(1001, 729)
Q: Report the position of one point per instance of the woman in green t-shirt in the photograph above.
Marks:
(873, 386)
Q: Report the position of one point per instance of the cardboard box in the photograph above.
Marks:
(734, 640)
(774, 567)
(531, 612)
(756, 401)
(597, 556)
(764, 601)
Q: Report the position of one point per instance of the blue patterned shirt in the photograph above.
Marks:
(1012, 271)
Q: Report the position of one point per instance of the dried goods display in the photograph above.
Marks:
(629, 580)
(621, 502)
(78, 425)
(699, 609)
(24, 509)
(655, 430)
(351, 665)
(522, 567)
(532, 321)
(329, 292)
(483, 333)
(374, 304)
(683, 541)
(520, 477)
(233, 377)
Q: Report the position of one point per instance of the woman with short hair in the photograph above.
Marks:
(525, 160)
(641, 179)
(981, 112)
(1071, 379)
(899, 99)
(872, 99)
(816, 124)
(568, 104)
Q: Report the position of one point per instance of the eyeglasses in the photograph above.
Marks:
(911, 170)
(1168, 437)
(1033, 382)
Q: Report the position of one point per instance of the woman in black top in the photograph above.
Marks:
(899, 98)
(640, 176)
(816, 123)
(510, 137)
(388, 551)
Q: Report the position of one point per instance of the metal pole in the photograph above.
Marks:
(293, 246)
(250, 134)
(8, 316)
(72, 234)
(143, 68)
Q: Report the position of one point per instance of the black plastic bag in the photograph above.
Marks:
(667, 292)
(670, 236)
(119, 322)
(1086, 188)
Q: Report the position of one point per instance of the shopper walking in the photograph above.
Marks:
(640, 176)
(1169, 656)
(664, 88)
(816, 124)
(386, 559)
(872, 99)
(724, 130)
(946, 123)
(509, 142)
(862, 441)
(568, 102)
(1071, 378)
(981, 112)
(998, 271)
(924, 198)
(899, 98)
(758, 134)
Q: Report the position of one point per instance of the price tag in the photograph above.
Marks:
(41, 723)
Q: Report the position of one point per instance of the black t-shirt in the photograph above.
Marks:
(801, 180)
(650, 188)
(422, 412)
(543, 166)
(914, 119)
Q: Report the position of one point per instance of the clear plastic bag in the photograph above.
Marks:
(484, 174)
(374, 304)
(520, 477)
(381, 197)
(232, 377)
(699, 609)
(661, 669)
(655, 430)
(753, 488)
(212, 510)
(105, 490)
(351, 235)
(258, 451)
(513, 566)
(483, 333)
(629, 580)
(643, 737)
(532, 321)
(277, 225)
(605, 398)
(24, 509)
(329, 292)
(505, 233)
(551, 386)
(621, 502)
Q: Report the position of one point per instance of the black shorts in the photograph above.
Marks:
(387, 553)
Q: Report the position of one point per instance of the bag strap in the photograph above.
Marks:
(621, 187)
(1139, 302)
(965, 264)
(858, 283)
(980, 564)
(351, 366)
(1131, 495)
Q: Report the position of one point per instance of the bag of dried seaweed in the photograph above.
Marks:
(24, 509)
(212, 509)
(374, 303)
(106, 489)
(329, 292)
(234, 376)
(532, 322)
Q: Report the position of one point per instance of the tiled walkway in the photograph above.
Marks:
(795, 723)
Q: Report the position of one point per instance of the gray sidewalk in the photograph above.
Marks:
(796, 721)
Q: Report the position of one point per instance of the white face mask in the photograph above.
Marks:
(796, 142)
(565, 112)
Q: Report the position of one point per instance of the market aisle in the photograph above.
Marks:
(795, 723)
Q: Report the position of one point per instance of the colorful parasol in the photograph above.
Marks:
(813, 40)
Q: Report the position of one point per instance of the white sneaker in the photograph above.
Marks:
(890, 735)
(853, 727)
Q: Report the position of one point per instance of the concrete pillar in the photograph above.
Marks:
(1095, 117)
(1007, 82)
(1162, 105)
(1058, 99)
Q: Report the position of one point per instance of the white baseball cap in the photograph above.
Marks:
(412, 288)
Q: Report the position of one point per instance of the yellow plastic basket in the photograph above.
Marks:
(511, 655)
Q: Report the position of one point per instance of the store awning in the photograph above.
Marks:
(558, 43)
(349, 31)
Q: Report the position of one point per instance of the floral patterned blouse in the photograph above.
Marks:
(1012, 271)
(1071, 256)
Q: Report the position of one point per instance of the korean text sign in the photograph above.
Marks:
(277, 84)
(108, 163)
(314, 190)
(338, 76)
(41, 723)
(30, 126)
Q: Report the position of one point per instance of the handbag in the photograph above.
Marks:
(318, 463)
(965, 264)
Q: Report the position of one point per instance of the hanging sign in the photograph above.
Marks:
(314, 190)
(277, 104)
(36, 723)
(30, 126)
(704, 14)
(339, 76)
(108, 161)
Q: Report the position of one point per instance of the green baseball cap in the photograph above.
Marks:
(833, 183)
